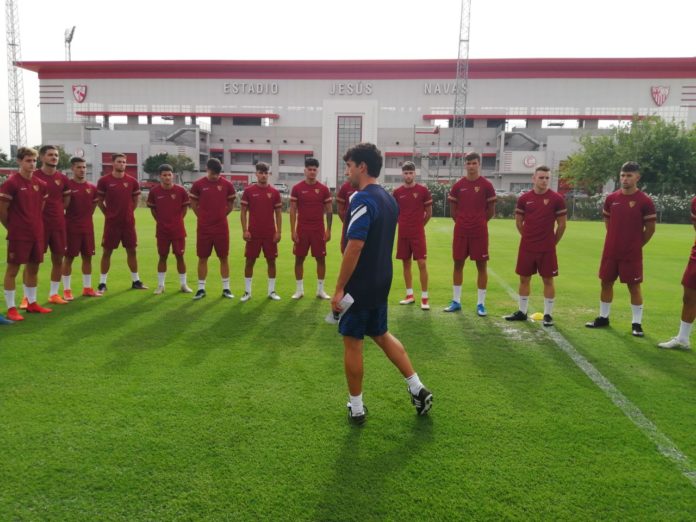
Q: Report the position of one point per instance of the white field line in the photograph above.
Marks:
(663, 443)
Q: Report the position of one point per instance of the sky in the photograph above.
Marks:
(325, 30)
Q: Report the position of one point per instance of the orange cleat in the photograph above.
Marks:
(23, 305)
(67, 295)
(56, 299)
(91, 292)
(36, 308)
(13, 314)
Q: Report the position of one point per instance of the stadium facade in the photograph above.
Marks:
(520, 113)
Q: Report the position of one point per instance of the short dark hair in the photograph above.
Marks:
(74, 160)
(117, 155)
(471, 156)
(366, 153)
(23, 152)
(630, 166)
(214, 165)
(542, 168)
(408, 165)
(262, 166)
(165, 167)
(44, 149)
(311, 162)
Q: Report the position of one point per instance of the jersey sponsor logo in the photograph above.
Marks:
(659, 94)
(631, 204)
(79, 93)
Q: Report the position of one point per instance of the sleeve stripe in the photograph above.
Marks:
(562, 211)
(519, 211)
(6, 196)
(355, 215)
(650, 217)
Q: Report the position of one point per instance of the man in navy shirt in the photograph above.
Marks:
(366, 274)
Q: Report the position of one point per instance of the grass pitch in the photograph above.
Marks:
(143, 407)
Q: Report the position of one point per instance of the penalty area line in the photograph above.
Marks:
(664, 444)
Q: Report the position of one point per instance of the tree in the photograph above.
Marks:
(666, 152)
(152, 163)
(180, 163)
(5, 161)
(63, 160)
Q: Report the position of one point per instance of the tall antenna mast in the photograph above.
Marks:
(15, 84)
(69, 33)
(460, 93)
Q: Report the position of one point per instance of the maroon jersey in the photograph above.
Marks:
(310, 201)
(57, 187)
(472, 198)
(212, 198)
(343, 196)
(693, 220)
(169, 205)
(117, 194)
(78, 215)
(26, 197)
(412, 203)
(539, 212)
(261, 203)
(626, 215)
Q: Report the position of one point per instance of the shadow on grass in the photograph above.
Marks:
(362, 482)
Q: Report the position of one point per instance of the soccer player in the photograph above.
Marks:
(168, 204)
(54, 215)
(262, 219)
(80, 229)
(212, 199)
(472, 204)
(540, 217)
(688, 314)
(22, 199)
(415, 210)
(118, 197)
(310, 201)
(629, 217)
(366, 274)
(342, 201)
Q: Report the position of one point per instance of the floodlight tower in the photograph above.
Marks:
(460, 93)
(69, 33)
(15, 85)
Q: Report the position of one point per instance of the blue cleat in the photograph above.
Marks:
(481, 310)
(454, 306)
(4, 320)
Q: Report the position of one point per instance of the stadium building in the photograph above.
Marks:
(520, 113)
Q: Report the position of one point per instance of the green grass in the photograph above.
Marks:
(143, 407)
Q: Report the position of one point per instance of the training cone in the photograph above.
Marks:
(537, 316)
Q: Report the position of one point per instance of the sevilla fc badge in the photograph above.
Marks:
(56, 181)
(88, 191)
(36, 187)
(125, 184)
(415, 195)
(476, 189)
(79, 93)
(631, 204)
(659, 94)
(546, 202)
(268, 194)
(316, 191)
(220, 188)
(172, 196)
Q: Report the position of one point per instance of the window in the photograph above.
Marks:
(215, 120)
(254, 122)
(488, 163)
(349, 134)
(218, 155)
(468, 123)
(494, 124)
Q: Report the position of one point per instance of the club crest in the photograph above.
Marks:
(36, 188)
(88, 191)
(268, 195)
(546, 201)
(316, 191)
(125, 184)
(476, 189)
(631, 204)
(659, 94)
(79, 93)
(219, 187)
(415, 195)
(173, 196)
(56, 181)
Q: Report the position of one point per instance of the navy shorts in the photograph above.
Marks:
(359, 323)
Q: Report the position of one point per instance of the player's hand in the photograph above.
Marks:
(295, 237)
(276, 237)
(336, 299)
(327, 235)
(246, 235)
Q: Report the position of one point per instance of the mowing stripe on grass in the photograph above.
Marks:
(663, 443)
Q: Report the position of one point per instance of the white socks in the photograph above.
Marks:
(424, 295)
(67, 282)
(299, 286)
(86, 280)
(523, 303)
(271, 285)
(356, 405)
(160, 278)
(247, 285)
(548, 306)
(457, 293)
(225, 283)
(409, 291)
(182, 279)
(135, 277)
(10, 299)
(201, 284)
(414, 384)
(54, 286)
(637, 311)
(604, 309)
(684, 332)
(102, 279)
(31, 294)
(320, 285)
(481, 295)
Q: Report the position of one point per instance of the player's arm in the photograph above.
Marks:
(101, 202)
(4, 211)
(293, 220)
(153, 211)
(341, 208)
(351, 255)
(194, 205)
(428, 214)
(560, 227)
(243, 214)
(278, 211)
(230, 203)
(490, 209)
(648, 231)
(66, 200)
(453, 208)
(328, 210)
(519, 222)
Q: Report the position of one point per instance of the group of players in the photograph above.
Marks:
(43, 209)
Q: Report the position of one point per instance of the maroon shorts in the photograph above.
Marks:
(205, 245)
(413, 247)
(529, 263)
(254, 246)
(629, 271)
(55, 240)
(689, 277)
(311, 238)
(80, 243)
(23, 252)
(177, 246)
(117, 234)
(475, 248)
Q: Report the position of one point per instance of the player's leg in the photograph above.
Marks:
(353, 366)
(87, 290)
(225, 276)
(522, 298)
(202, 271)
(66, 276)
(32, 273)
(608, 273)
(161, 271)
(688, 313)
(271, 263)
(132, 261)
(636, 309)
(482, 285)
(249, 263)
(321, 274)
(105, 265)
(408, 281)
(56, 273)
(11, 272)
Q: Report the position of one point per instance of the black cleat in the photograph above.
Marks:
(637, 330)
(548, 320)
(517, 316)
(423, 400)
(227, 294)
(599, 322)
(101, 288)
(358, 420)
(199, 295)
(138, 285)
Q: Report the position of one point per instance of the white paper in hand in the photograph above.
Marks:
(334, 317)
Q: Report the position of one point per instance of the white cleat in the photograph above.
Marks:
(185, 289)
(298, 295)
(159, 290)
(273, 296)
(323, 295)
(675, 344)
(245, 297)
